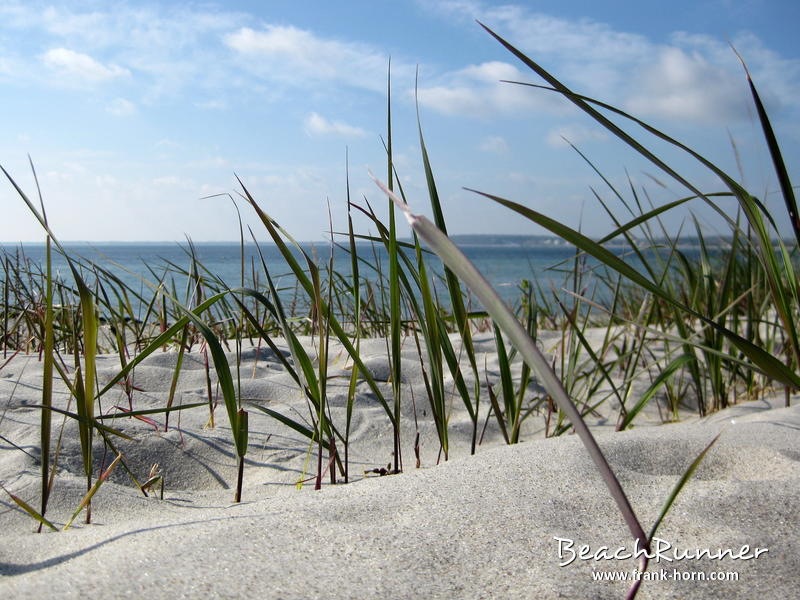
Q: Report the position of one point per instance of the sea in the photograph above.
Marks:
(546, 262)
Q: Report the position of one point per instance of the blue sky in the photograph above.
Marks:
(134, 112)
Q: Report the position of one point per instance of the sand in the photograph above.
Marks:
(483, 526)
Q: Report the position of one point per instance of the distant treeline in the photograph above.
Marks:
(479, 239)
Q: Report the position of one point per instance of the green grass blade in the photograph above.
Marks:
(659, 381)
(679, 486)
(47, 372)
(224, 376)
(395, 317)
(291, 423)
(506, 386)
(775, 153)
(94, 422)
(498, 413)
(151, 411)
(453, 286)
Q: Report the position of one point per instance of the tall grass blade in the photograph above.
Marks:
(453, 286)
(356, 291)
(775, 153)
(47, 366)
(394, 285)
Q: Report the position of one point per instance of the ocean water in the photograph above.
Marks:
(504, 265)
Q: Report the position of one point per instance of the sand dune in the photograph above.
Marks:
(474, 527)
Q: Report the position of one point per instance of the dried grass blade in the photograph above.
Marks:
(93, 490)
(30, 510)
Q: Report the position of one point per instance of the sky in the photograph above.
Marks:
(138, 115)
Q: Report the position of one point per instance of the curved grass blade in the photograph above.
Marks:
(83, 420)
(291, 423)
(774, 368)
(453, 285)
(775, 153)
(679, 486)
(467, 272)
(394, 286)
(754, 210)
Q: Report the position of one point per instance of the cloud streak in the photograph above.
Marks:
(301, 58)
(75, 65)
(477, 91)
(168, 50)
(317, 125)
(693, 78)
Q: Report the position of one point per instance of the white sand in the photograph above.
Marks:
(474, 527)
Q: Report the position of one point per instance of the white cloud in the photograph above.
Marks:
(165, 47)
(120, 107)
(494, 143)
(76, 167)
(687, 87)
(477, 90)
(81, 66)
(453, 100)
(168, 48)
(580, 40)
(574, 133)
(62, 22)
(587, 52)
(300, 57)
(316, 124)
(777, 78)
(694, 78)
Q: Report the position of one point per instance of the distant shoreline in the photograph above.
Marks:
(472, 240)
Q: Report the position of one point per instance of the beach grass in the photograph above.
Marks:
(712, 329)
